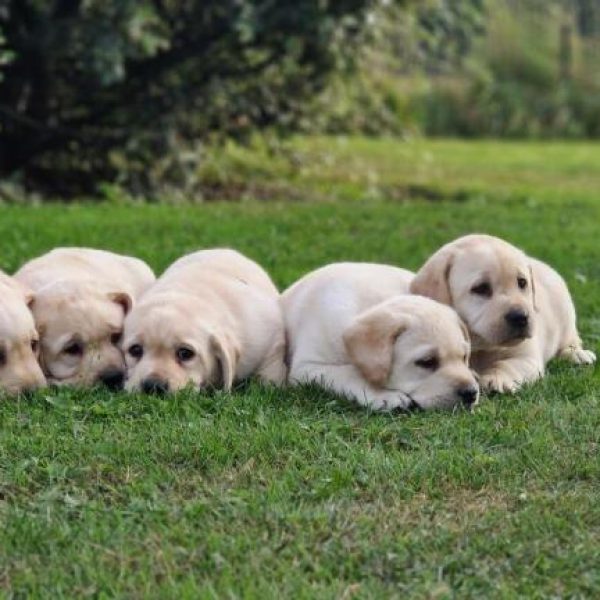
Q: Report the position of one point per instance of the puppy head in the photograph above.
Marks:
(488, 282)
(170, 345)
(417, 347)
(80, 326)
(19, 368)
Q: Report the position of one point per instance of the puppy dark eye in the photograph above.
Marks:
(73, 349)
(482, 289)
(431, 363)
(184, 353)
(115, 338)
(2, 358)
(136, 351)
(35, 345)
(522, 282)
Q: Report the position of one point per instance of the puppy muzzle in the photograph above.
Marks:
(112, 378)
(518, 324)
(468, 395)
(154, 385)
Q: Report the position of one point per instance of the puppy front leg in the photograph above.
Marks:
(347, 381)
(577, 354)
(273, 368)
(508, 375)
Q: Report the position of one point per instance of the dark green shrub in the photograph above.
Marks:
(99, 90)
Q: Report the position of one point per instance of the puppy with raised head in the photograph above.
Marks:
(353, 328)
(19, 342)
(213, 318)
(518, 310)
(80, 299)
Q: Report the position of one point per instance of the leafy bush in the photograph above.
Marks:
(471, 69)
(101, 90)
(99, 94)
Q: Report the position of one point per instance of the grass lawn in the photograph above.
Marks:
(293, 493)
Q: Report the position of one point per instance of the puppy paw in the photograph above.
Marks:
(578, 355)
(498, 381)
(388, 401)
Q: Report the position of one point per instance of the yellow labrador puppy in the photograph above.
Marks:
(353, 328)
(518, 310)
(211, 319)
(19, 343)
(81, 297)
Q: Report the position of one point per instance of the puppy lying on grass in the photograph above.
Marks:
(19, 342)
(518, 310)
(353, 328)
(81, 297)
(211, 319)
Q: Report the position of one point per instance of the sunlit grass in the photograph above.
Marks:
(295, 493)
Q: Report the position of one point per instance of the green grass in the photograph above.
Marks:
(294, 493)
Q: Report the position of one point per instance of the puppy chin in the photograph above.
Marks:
(132, 386)
(53, 382)
(441, 402)
(190, 386)
(76, 382)
(205, 385)
(514, 339)
(10, 390)
(483, 341)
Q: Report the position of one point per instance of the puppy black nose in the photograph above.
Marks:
(112, 378)
(155, 386)
(468, 395)
(517, 318)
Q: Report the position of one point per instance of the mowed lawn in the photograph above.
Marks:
(293, 493)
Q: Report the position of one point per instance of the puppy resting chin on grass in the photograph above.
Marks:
(19, 368)
(518, 310)
(353, 328)
(211, 319)
(80, 300)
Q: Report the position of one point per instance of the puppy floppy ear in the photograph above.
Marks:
(432, 279)
(466, 335)
(18, 287)
(122, 298)
(42, 360)
(369, 342)
(533, 296)
(29, 298)
(28, 294)
(227, 354)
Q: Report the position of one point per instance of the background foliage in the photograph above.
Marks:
(99, 89)
(98, 96)
(508, 68)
